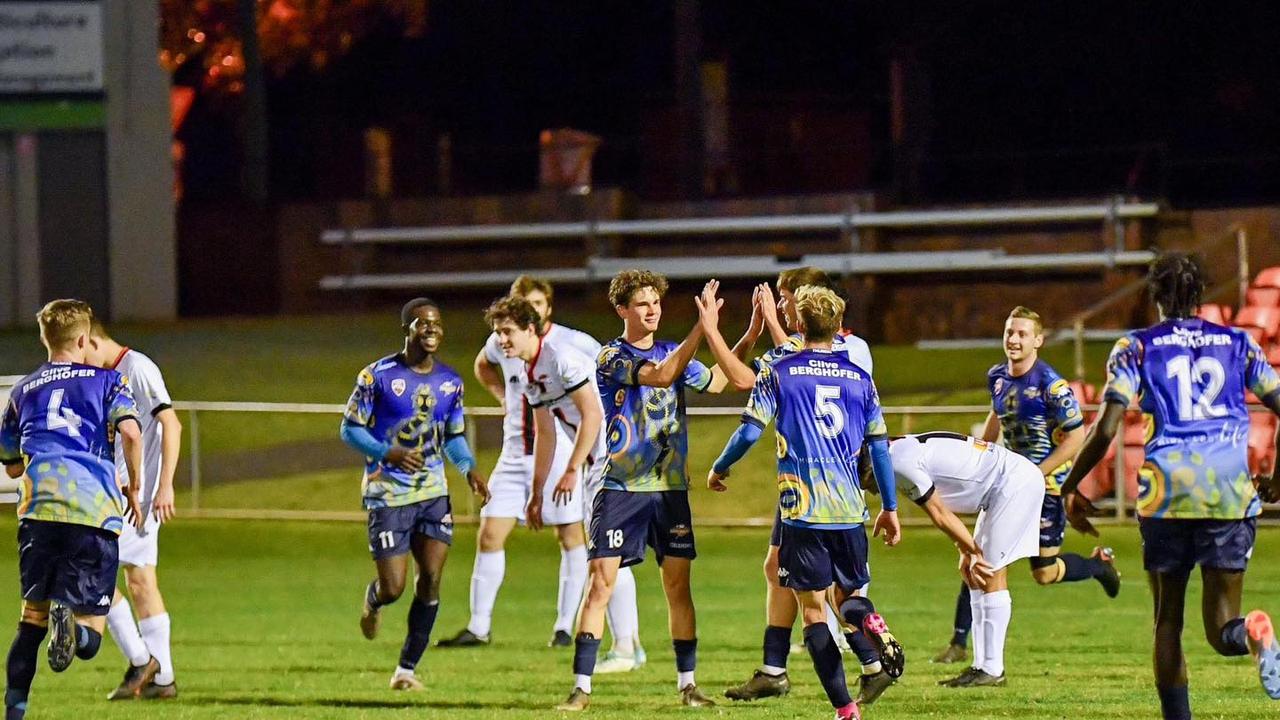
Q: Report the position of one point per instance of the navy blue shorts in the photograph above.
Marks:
(813, 559)
(392, 528)
(74, 564)
(1175, 546)
(1053, 522)
(622, 523)
(775, 537)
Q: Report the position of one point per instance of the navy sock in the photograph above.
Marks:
(1080, 567)
(854, 609)
(686, 654)
(88, 641)
(866, 650)
(422, 617)
(964, 618)
(585, 648)
(1234, 639)
(371, 595)
(21, 668)
(827, 663)
(777, 645)
(1175, 704)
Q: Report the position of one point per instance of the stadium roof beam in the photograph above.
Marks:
(1106, 212)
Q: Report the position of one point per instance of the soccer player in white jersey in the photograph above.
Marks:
(946, 473)
(145, 644)
(512, 486)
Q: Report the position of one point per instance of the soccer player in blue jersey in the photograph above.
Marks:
(823, 407)
(406, 416)
(1196, 504)
(645, 500)
(58, 434)
(1041, 420)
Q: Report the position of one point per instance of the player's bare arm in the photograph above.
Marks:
(1072, 440)
(544, 450)
(991, 427)
(729, 368)
(973, 565)
(490, 377)
(131, 436)
(587, 400)
(665, 373)
(171, 438)
(1091, 453)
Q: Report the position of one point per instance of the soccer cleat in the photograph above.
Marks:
(641, 656)
(973, 677)
(464, 638)
(952, 654)
(761, 685)
(892, 657)
(135, 678)
(560, 639)
(578, 701)
(691, 696)
(152, 691)
(871, 687)
(1265, 651)
(1110, 578)
(960, 680)
(615, 662)
(62, 637)
(370, 619)
(406, 681)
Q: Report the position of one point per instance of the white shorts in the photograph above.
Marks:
(139, 548)
(1008, 528)
(511, 483)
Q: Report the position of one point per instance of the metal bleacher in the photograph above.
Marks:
(1114, 214)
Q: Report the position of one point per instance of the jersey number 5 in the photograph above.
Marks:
(1205, 370)
(830, 415)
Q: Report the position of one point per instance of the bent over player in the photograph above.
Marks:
(58, 434)
(823, 407)
(1196, 504)
(406, 416)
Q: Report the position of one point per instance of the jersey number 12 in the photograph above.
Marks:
(1205, 370)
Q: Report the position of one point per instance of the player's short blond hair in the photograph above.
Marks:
(793, 279)
(628, 282)
(525, 284)
(1025, 313)
(97, 329)
(62, 321)
(820, 310)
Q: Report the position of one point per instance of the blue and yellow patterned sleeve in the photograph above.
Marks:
(762, 406)
(455, 423)
(10, 435)
(120, 403)
(792, 344)
(696, 376)
(1260, 377)
(1063, 405)
(1122, 371)
(360, 405)
(618, 366)
(876, 426)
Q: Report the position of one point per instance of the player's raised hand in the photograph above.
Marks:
(479, 485)
(162, 506)
(769, 307)
(709, 305)
(756, 327)
(1079, 508)
(887, 523)
(533, 510)
(405, 458)
(563, 491)
(715, 481)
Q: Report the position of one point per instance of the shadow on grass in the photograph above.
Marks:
(369, 704)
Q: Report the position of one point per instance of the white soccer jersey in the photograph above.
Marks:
(963, 471)
(517, 424)
(152, 396)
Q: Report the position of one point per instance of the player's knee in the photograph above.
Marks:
(35, 613)
(599, 591)
(142, 586)
(1044, 570)
(89, 642)
(390, 590)
(853, 610)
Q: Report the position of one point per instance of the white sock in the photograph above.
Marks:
(684, 678)
(978, 608)
(624, 619)
(486, 578)
(402, 671)
(997, 608)
(125, 632)
(155, 633)
(583, 683)
(833, 624)
(573, 578)
(773, 670)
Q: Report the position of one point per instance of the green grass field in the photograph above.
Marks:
(264, 626)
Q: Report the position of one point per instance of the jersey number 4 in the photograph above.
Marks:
(61, 418)
(1207, 371)
(831, 419)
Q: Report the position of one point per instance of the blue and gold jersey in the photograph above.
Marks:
(402, 406)
(823, 406)
(646, 427)
(843, 342)
(1189, 377)
(61, 421)
(1036, 410)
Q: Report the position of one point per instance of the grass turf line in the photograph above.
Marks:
(264, 626)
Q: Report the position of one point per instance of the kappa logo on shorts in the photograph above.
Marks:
(398, 386)
(104, 601)
(447, 519)
(782, 572)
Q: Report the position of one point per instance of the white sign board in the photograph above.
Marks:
(50, 47)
